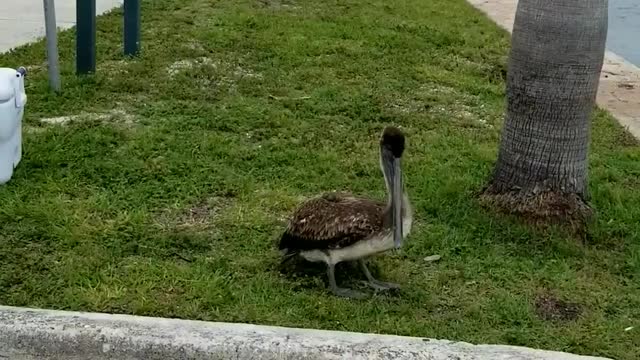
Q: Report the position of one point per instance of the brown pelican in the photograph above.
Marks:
(334, 227)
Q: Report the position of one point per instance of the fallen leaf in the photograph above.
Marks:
(432, 258)
(289, 98)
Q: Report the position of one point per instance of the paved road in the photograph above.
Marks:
(22, 21)
(624, 29)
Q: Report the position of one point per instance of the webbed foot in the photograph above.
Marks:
(349, 293)
(375, 283)
(342, 292)
(382, 285)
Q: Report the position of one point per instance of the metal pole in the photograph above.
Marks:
(52, 44)
(131, 27)
(85, 36)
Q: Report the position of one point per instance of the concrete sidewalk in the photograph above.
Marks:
(22, 21)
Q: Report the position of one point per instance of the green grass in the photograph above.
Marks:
(171, 205)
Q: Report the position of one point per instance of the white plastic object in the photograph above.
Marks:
(12, 102)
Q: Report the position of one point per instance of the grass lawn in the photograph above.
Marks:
(166, 198)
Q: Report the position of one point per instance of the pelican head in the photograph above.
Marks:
(391, 149)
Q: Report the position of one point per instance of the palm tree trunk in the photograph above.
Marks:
(554, 68)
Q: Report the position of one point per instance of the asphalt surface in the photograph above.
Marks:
(22, 21)
(624, 29)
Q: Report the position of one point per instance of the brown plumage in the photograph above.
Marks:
(332, 221)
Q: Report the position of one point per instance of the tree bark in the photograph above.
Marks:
(554, 69)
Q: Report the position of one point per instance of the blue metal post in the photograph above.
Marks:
(85, 36)
(131, 27)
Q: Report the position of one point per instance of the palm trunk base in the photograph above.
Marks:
(541, 208)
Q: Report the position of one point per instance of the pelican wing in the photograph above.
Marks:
(332, 221)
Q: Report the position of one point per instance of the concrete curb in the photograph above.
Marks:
(619, 90)
(49, 334)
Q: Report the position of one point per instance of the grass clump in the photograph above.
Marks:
(165, 191)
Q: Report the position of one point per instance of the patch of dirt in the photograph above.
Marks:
(542, 208)
(209, 72)
(199, 216)
(113, 116)
(448, 92)
(445, 103)
(550, 308)
(492, 70)
(203, 211)
(189, 64)
(113, 67)
(466, 115)
(407, 106)
(34, 69)
(278, 4)
(27, 129)
(194, 45)
(625, 138)
(193, 64)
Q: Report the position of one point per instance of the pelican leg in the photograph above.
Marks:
(342, 292)
(374, 283)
